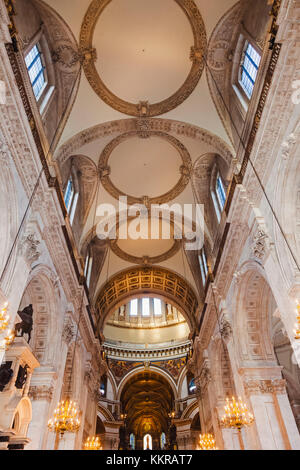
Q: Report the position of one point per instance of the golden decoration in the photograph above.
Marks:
(9, 338)
(144, 109)
(236, 415)
(4, 317)
(93, 443)
(143, 280)
(207, 442)
(66, 418)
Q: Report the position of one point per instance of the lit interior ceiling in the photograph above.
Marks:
(147, 399)
(152, 330)
(143, 53)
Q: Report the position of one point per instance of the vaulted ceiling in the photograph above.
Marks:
(143, 115)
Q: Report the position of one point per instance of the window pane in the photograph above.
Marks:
(69, 193)
(157, 307)
(35, 69)
(205, 267)
(249, 69)
(86, 267)
(145, 307)
(202, 270)
(220, 192)
(134, 308)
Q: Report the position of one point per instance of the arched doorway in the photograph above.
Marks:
(146, 400)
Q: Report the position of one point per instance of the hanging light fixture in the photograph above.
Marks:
(93, 443)
(66, 418)
(9, 338)
(207, 442)
(4, 317)
(297, 326)
(236, 415)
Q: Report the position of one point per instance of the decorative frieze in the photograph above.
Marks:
(257, 386)
(41, 392)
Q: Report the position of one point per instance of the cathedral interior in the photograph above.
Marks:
(113, 341)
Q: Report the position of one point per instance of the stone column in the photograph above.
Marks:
(205, 386)
(274, 420)
(183, 432)
(41, 396)
(112, 435)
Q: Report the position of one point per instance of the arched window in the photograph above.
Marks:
(88, 267)
(71, 198)
(134, 307)
(218, 192)
(145, 307)
(249, 68)
(36, 70)
(163, 441)
(147, 442)
(157, 307)
(192, 387)
(203, 266)
(132, 441)
(69, 194)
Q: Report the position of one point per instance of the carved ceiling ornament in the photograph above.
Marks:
(91, 18)
(145, 260)
(185, 169)
(114, 128)
(142, 280)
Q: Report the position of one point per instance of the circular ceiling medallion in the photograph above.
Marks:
(161, 248)
(144, 107)
(184, 170)
(145, 260)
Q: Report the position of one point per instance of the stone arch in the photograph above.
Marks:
(104, 414)
(22, 417)
(252, 313)
(136, 371)
(221, 370)
(191, 410)
(114, 128)
(142, 280)
(61, 55)
(85, 178)
(182, 376)
(243, 22)
(73, 373)
(41, 292)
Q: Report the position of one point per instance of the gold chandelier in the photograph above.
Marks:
(236, 415)
(93, 443)
(4, 317)
(297, 326)
(207, 442)
(66, 418)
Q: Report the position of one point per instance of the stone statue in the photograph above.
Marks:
(26, 325)
(6, 374)
(22, 376)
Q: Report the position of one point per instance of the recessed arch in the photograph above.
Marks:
(147, 280)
